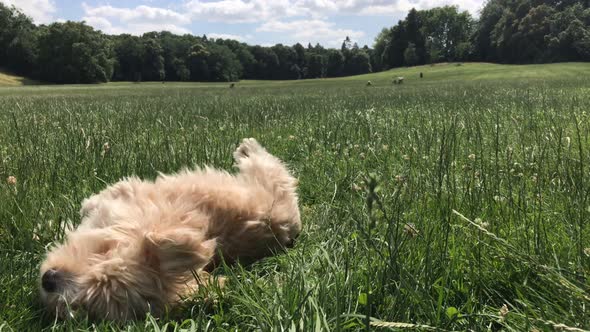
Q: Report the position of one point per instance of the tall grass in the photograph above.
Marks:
(425, 207)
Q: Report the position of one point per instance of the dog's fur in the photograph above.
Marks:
(139, 242)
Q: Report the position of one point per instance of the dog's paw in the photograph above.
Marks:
(89, 204)
(247, 148)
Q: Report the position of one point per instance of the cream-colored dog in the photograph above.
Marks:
(140, 241)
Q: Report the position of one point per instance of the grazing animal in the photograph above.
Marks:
(140, 241)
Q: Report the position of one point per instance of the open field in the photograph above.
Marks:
(435, 203)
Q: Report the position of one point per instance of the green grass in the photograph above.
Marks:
(8, 79)
(488, 163)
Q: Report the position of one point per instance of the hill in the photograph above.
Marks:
(457, 73)
(480, 72)
(8, 79)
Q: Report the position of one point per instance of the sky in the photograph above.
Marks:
(262, 22)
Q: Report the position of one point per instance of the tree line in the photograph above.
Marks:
(507, 31)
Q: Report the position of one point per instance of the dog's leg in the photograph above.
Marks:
(256, 163)
(282, 221)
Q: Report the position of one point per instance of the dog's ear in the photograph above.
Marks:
(176, 251)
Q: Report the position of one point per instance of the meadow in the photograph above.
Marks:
(460, 201)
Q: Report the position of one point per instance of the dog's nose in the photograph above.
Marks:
(50, 280)
(290, 243)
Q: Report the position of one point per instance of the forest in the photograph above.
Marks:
(506, 31)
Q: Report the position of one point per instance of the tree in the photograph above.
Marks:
(445, 28)
(394, 51)
(502, 36)
(198, 62)
(381, 43)
(223, 65)
(266, 64)
(288, 62)
(174, 50)
(300, 51)
(532, 29)
(358, 62)
(153, 60)
(181, 70)
(18, 41)
(316, 66)
(410, 56)
(73, 52)
(569, 34)
(482, 37)
(524, 31)
(129, 58)
(346, 44)
(413, 23)
(335, 63)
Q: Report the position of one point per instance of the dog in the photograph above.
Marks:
(140, 242)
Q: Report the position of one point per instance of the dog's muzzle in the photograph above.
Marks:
(51, 281)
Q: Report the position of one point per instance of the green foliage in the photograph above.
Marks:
(380, 60)
(316, 65)
(435, 35)
(335, 66)
(410, 56)
(528, 31)
(289, 64)
(73, 52)
(153, 60)
(356, 61)
(224, 66)
(266, 62)
(18, 41)
(524, 31)
(447, 31)
(129, 54)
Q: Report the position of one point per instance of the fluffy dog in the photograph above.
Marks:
(139, 242)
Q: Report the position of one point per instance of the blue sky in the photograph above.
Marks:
(264, 22)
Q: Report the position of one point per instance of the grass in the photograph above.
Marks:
(8, 79)
(459, 204)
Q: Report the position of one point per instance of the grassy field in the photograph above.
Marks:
(460, 201)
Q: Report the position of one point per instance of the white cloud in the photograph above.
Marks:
(401, 7)
(312, 31)
(382, 7)
(253, 11)
(41, 11)
(240, 11)
(139, 13)
(138, 20)
(228, 36)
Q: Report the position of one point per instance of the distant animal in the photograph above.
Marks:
(369, 83)
(421, 75)
(233, 85)
(140, 241)
(398, 80)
